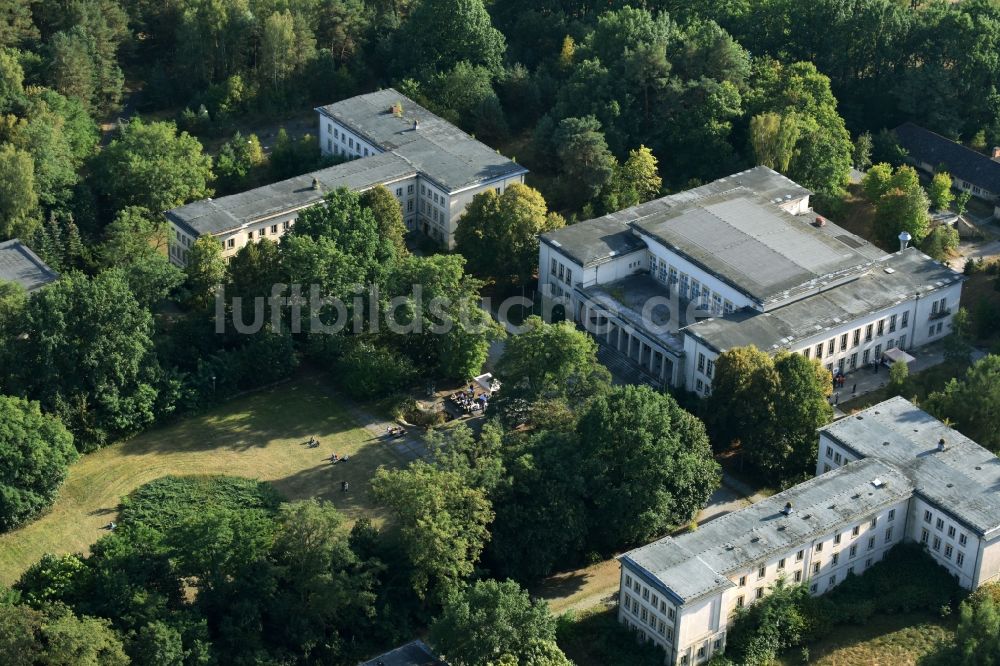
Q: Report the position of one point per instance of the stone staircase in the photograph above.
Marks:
(623, 369)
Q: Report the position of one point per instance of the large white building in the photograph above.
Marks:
(888, 474)
(674, 282)
(432, 167)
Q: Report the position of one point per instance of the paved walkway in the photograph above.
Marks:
(863, 381)
(409, 447)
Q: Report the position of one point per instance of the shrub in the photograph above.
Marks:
(169, 500)
(371, 371)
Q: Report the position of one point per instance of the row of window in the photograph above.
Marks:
(649, 596)
(813, 587)
(657, 624)
(561, 272)
(948, 548)
(853, 339)
(688, 288)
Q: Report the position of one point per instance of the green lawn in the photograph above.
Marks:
(886, 640)
(260, 435)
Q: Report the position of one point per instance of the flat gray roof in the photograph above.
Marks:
(875, 290)
(438, 149)
(412, 654)
(698, 563)
(734, 229)
(963, 480)
(594, 241)
(20, 265)
(751, 243)
(214, 216)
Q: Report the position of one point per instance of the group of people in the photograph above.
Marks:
(468, 401)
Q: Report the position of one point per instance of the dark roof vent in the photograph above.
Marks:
(755, 539)
(885, 443)
(942, 445)
(315, 183)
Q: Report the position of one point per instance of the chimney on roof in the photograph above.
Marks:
(788, 509)
(996, 154)
(315, 183)
(904, 240)
(941, 444)
(820, 221)
(416, 125)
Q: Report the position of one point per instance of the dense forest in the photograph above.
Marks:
(112, 111)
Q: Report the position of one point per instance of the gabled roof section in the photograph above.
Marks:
(924, 145)
(963, 479)
(439, 150)
(215, 216)
(20, 265)
(699, 563)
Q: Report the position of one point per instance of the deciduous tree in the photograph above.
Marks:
(972, 403)
(35, 453)
(493, 622)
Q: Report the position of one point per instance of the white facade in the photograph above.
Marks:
(958, 527)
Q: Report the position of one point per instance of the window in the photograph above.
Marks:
(655, 600)
(250, 236)
(936, 545)
(853, 551)
(866, 356)
(699, 385)
(743, 581)
(871, 543)
(663, 608)
(902, 342)
(231, 243)
(819, 547)
(960, 558)
(661, 628)
(888, 534)
(927, 516)
(569, 276)
(947, 552)
(762, 572)
(856, 531)
(806, 352)
(274, 228)
(829, 347)
(836, 558)
(812, 588)
(637, 587)
(552, 266)
(829, 452)
(939, 327)
(781, 563)
(628, 602)
(409, 206)
(836, 539)
(798, 576)
(833, 580)
(701, 363)
(739, 601)
(904, 322)
(645, 594)
(868, 332)
(717, 644)
(815, 567)
(670, 613)
(881, 327)
(962, 539)
(857, 338)
(892, 324)
(351, 143)
(798, 555)
(701, 652)
(710, 367)
(759, 593)
(819, 351)
(939, 525)
(286, 225)
(843, 342)
(924, 536)
(628, 580)
(951, 532)
(399, 192)
(930, 331)
(892, 515)
(826, 468)
(643, 614)
(836, 459)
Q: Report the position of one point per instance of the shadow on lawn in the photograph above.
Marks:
(293, 411)
(324, 480)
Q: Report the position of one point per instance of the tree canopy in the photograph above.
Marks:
(35, 453)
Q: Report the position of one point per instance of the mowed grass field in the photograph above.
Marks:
(260, 435)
